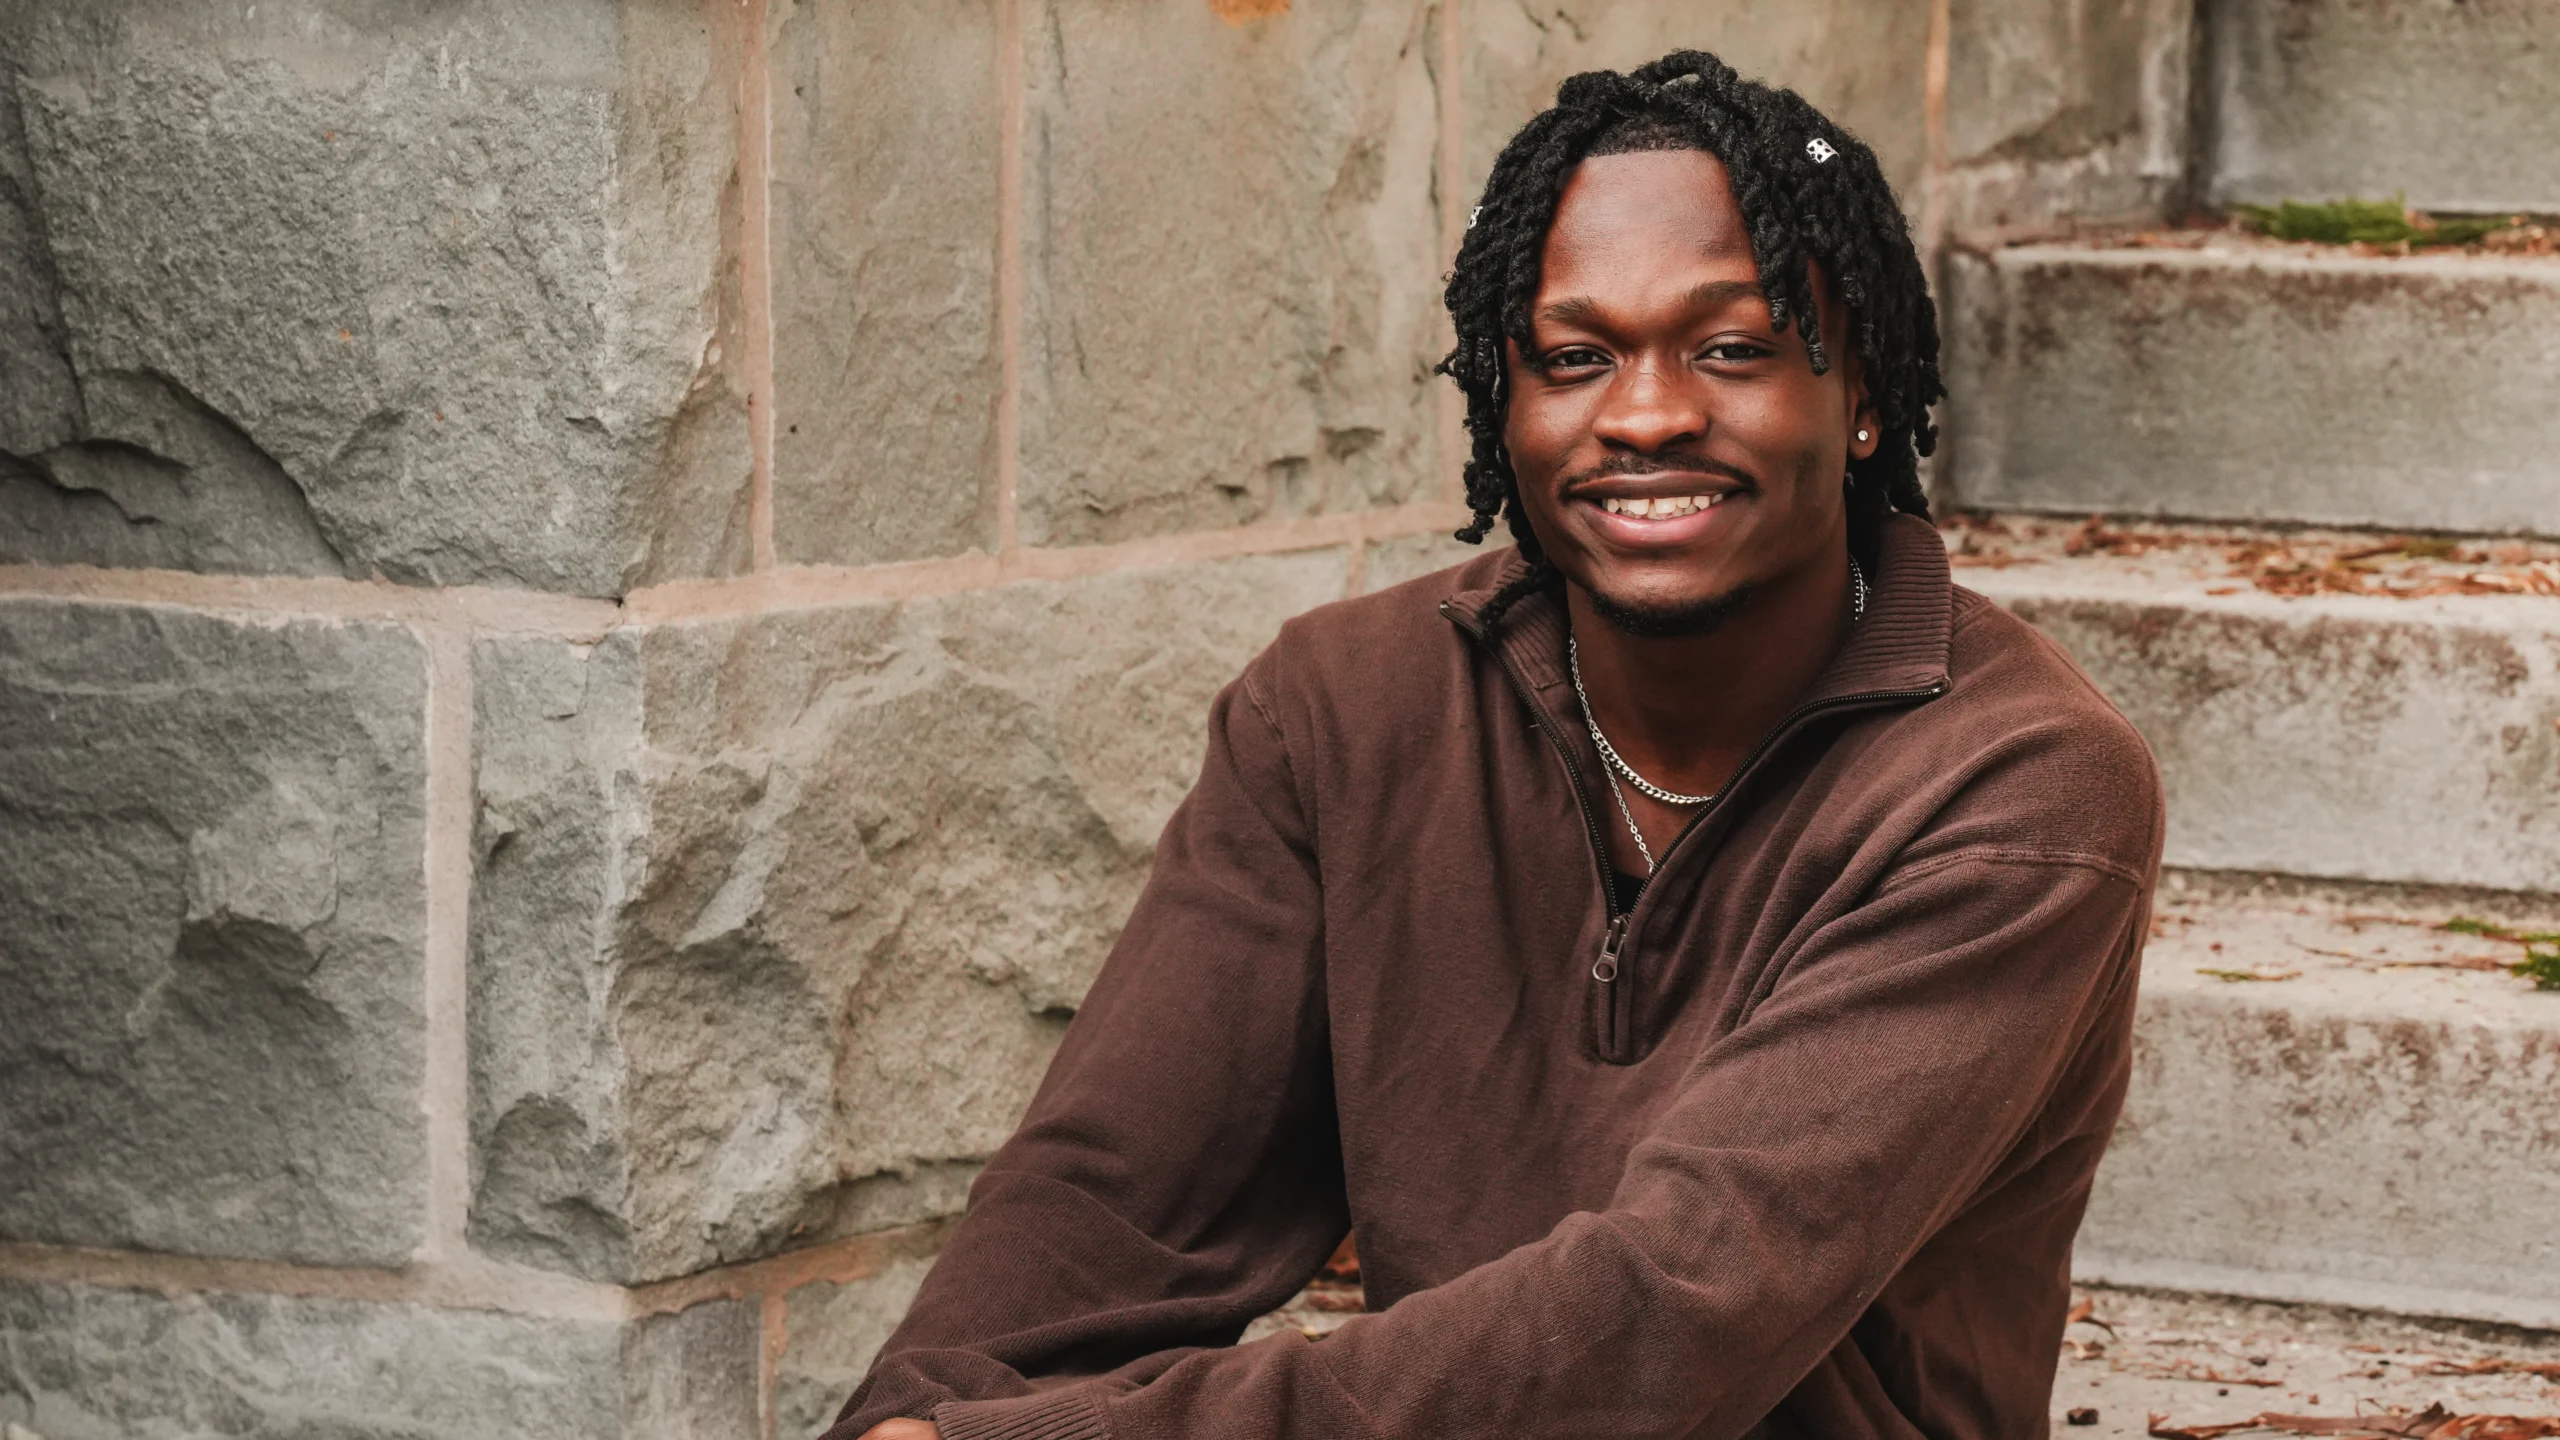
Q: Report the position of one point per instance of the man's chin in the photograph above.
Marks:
(1671, 619)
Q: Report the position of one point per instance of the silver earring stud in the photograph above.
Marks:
(1862, 437)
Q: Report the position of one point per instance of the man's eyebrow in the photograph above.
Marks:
(1583, 310)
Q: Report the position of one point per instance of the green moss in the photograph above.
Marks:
(2366, 222)
(2541, 964)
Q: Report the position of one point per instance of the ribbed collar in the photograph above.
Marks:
(1900, 645)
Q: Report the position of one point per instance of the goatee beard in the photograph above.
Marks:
(1687, 619)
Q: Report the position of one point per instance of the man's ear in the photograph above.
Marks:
(1858, 411)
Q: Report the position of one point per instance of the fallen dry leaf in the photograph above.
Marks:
(2547, 1369)
(2084, 1311)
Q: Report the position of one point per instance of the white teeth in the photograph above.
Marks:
(1663, 507)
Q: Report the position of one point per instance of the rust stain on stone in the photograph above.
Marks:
(1237, 12)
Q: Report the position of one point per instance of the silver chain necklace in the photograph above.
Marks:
(1619, 769)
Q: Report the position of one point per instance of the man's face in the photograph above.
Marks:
(1674, 455)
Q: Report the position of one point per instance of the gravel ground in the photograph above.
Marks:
(2202, 1360)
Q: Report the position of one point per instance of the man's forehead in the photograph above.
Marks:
(1645, 202)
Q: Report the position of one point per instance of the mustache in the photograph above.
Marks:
(1677, 462)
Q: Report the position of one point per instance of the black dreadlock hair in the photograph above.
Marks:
(1807, 190)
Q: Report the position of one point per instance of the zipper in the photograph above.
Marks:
(1614, 960)
(1605, 969)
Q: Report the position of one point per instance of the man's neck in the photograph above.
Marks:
(1686, 710)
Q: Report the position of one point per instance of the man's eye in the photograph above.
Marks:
(1573, 357)
(1734, 351)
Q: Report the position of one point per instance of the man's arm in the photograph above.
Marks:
(1179, 1172)
(1905, 1054)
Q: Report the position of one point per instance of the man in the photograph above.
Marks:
(1693, 952)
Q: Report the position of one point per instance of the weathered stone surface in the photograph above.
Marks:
(212, 893)
(326, 287)
(1410, 557)
(561, 825)
(95, 1364)
(691, 1375)
(1858, 62)
(887, 124)
(2256, 383)
(39, 399)
(777, 919)
(2074, 109)
(2355, 1133)
(831, 1332)
(2444, 101)
(1231, 244)
(2348, 737)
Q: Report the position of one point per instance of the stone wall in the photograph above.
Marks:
(600, 604)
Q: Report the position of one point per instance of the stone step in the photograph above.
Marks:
(2337, 1099)
(2219, 376)
(2446, 102)
(2202, 1360)
(2316, 710)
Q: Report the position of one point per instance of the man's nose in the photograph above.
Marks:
(1650, 407)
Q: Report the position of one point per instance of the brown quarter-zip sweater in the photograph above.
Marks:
(1801, 1156)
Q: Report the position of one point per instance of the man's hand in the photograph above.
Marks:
(902, 1430)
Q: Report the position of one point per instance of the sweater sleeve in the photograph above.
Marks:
(1901, 1060)
(1179, 1171)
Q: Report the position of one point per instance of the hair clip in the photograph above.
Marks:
(1678, 80)
(1820, 149)
(1471, 216)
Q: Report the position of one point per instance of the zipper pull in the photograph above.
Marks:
(1606, 968)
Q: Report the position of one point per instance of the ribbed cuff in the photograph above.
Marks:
(1070, 1414)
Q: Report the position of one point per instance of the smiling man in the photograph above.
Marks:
(1693, 950)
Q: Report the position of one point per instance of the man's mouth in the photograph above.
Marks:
(1660, 507)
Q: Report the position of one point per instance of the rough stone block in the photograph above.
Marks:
(80, 1363)
(777, 919)
(887, 125)
(352, 288)
(1859, 62)
(1410, 557)
(2364, 1127)
(2075, 109)
(831, 1332)
(2256, 383)
(2444, 101)
(212, 893)
(2346, 737)
(1230, 249)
